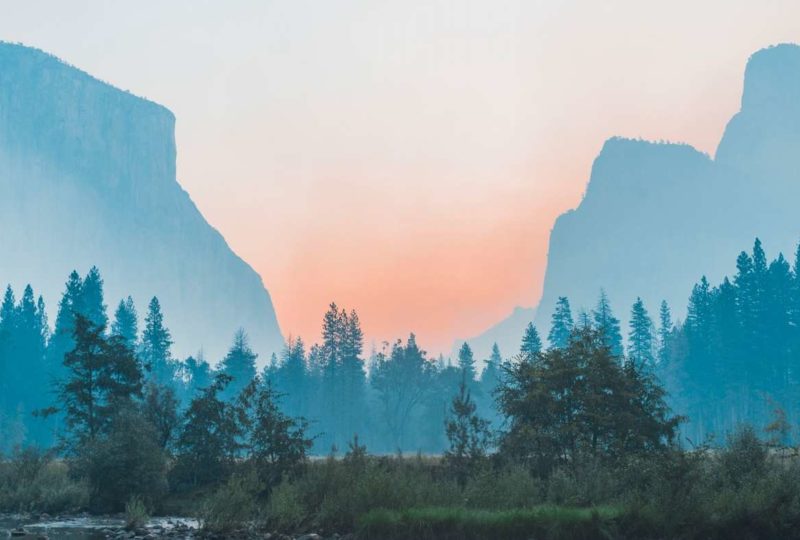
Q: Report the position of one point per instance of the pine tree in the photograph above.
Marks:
(467, 433)
(561, 324)
(62, 338)
(664, 333)
(155, 347)
(292, 380)
(640, 337)
(608, 325)
(239, 364)
(466, 363)
(102, 376)
(531, 343)
(126, 324)
(90, 303)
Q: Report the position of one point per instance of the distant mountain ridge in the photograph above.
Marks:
(655, 217)
(87, 177)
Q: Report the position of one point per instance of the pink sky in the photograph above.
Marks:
(407, 159)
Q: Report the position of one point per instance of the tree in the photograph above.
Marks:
(561, 324)
(665, 329)
(276, 443)
(156, 343)
(160, 408)
(62, 340)
(640, 337)
(199, 374)
(126, 462)
(466, 363)
(608, 325)
(90, 303)
(102, 376)
(401, 382)
(467, 433)
(580, 402)
(239, 364)
(292, 380)
(531, 343)
(209, 439)
(126, 324)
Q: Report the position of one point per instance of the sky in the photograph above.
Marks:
(407, 158)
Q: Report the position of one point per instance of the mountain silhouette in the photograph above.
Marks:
(655, 217)
(87, 177)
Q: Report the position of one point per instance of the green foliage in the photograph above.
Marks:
(468, 434)
(579, 402)
(544, 522)
(32, 481)
(128, 462)
(136, 514)
(275, 443)
(233, 505)
(209, 439)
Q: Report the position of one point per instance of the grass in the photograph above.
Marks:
(542, 522)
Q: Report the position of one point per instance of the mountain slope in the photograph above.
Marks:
(655, 217)
(87, 177)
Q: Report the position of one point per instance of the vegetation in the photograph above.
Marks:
(574, 440)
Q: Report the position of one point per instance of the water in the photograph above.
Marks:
(80, 527)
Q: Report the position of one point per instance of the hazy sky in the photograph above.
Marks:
(407, 158)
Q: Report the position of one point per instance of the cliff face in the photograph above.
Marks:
(87, 177)
(656, 217)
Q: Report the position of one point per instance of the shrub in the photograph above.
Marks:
(136, 514)
(32, 481)
(233, 505)
(128, 462)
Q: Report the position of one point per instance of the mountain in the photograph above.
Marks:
(87, 177)
(655, 217)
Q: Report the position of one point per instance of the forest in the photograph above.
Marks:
(681, 430)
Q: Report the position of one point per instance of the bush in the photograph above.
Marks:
(32, 481)
(545, 522)
(136, 514)
(129, 462)
(233, 505)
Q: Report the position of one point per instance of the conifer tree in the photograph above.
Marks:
(466, 363)
(156, 346)
(102, 376)
(640, 337)
(607, 325)
(531, 343)
(292, 380)
(561, 324)
(126, 324)
(90, 303)
(468, 434)
(664, 332)
(239, 364)
(62, 338)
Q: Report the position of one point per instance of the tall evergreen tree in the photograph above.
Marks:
(561, 324)
(640, 337)
(62, 338)
(156, 353)
(607, 325)
(239, 364)
(466, 363)
(531, 343)
(91, 303)
(664, 332)
(126, 323)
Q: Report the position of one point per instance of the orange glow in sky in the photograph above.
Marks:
(408, 159)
